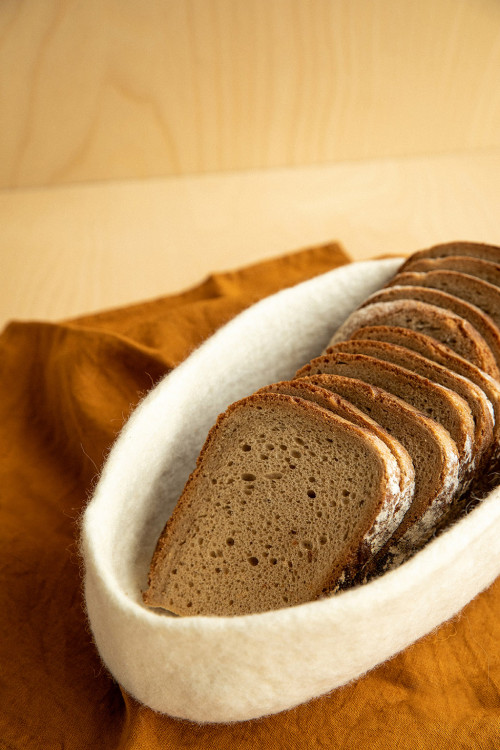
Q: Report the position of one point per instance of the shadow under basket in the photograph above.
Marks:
(224, 669)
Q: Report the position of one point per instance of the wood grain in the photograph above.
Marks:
(74, 249)
(106, 89)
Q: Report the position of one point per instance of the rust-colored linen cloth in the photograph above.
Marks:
(65, 391)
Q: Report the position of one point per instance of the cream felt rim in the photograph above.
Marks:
(211, 669)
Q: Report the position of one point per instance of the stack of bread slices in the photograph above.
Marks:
(335, 477)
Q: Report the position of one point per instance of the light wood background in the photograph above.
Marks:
(146, 143)
(69, 250)
(112, 89)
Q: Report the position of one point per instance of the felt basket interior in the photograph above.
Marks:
(222, 669)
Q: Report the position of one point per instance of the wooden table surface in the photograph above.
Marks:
(68, 250)
(108, 110)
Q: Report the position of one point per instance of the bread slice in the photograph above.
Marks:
(469, 288)
(443, 355)
(433, 452)
(441, 404)
(285, 495)
(396, 307)
(473, 249)
(484, 348)
(335, 403)
(481, 408)
(482, 269)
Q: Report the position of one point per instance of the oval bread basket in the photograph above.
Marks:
(223, 669)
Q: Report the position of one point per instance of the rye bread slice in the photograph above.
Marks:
(251, 534)
(468, 288)
(443, 355)
(483, 349)
(473, 249)
(395, 306)
(433, 452)
(482, 269)
(343, 408)
(436, 401)
(480, 406)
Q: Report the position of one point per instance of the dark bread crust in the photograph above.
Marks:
(433, 451)
(356, 548)
(482, 269)
(477, 327)
(443, 355)
(344, 408)
(473, 249)
(480, 406)
(469, 288)
(415, 389)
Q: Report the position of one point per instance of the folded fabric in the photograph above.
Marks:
(66, 391)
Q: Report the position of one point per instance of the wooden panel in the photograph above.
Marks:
(107, 89)
(73, 249)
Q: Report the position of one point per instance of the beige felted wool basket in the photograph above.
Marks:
(222, 669)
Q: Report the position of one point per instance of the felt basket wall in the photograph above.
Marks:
(222, 669)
